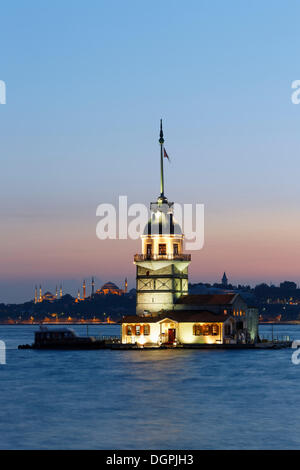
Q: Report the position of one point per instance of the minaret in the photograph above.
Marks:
(83, 289)
(35, 295)
(125, 286)
(60, 291)
(93, 286)
(78, 294)
(162, 267)
(40, 297)
(56, 294)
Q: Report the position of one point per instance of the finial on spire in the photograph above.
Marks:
(161, 134)
(161, 141)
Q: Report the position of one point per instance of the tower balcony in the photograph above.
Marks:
(157, 257)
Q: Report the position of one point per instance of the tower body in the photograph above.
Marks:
(162, 267)
(93, 286)
(84, 289)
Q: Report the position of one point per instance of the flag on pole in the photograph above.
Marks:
(166, 155)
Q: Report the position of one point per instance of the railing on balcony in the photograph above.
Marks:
(153, 257)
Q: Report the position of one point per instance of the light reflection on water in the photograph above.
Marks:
(147, 399)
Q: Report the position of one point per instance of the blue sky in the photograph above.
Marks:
(87, 83)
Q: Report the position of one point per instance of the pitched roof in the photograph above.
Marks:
(207, 299)
(196, 316)
(140, 319)
(182, 316)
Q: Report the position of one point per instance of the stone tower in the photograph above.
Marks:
(162, 267)
(224, 280)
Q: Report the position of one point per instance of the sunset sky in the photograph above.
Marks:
(86, 87)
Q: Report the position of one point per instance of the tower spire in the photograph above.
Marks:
(161, 142)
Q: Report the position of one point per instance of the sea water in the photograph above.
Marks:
(164, 399)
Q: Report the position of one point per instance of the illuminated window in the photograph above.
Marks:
(129, 330)
(149, 250)
(138, 330)
(197, 330)
(162, 249)
(215, 330)
(206, 330)
(146, 330)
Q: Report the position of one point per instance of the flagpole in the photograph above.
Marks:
(161, 141)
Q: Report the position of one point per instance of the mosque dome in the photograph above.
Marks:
(161, 223)
(110, 286)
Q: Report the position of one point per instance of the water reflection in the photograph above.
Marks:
(147, 399)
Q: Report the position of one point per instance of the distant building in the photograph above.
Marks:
(224, 280)
(109, 288)
(48, 296)
(288, 285)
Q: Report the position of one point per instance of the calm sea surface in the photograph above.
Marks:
(148, 399)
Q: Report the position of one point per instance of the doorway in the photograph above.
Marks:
(171, 335)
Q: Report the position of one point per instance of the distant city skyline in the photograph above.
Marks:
(24, 290)
(85, 92)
